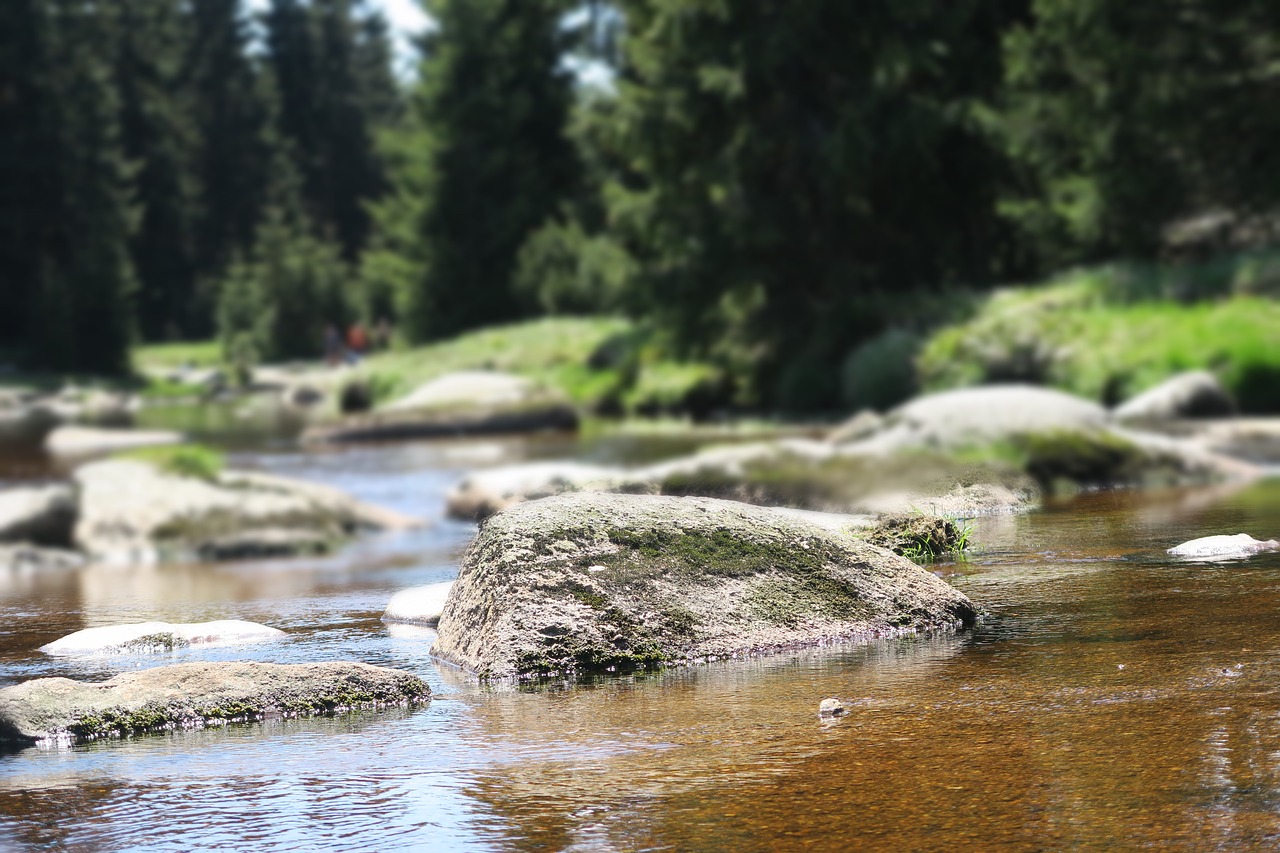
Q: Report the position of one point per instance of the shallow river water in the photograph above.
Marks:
(1109, 698)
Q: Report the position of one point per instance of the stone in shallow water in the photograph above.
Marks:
(1222, 547)
(602, 582)
(159, 636)
(196, 695)
(421, 605)
(832, 708)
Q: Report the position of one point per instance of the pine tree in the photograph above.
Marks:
(156, 133)
(231, 105)
(64, 234)
(492, 163)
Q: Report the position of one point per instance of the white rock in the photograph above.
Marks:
(83, 441)
(1222, 547)
(482, 493)
(114, 639)
(421, 605)
(1196, 394)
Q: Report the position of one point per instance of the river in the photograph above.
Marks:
(1109, 698)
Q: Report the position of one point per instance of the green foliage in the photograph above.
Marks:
(183, 460)
(491, 107)
(881, 372)
(563, 270)
(1095, 334)
(787, 165)
(1121, 116)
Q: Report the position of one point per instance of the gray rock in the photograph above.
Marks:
(29, 558)
(1196, 394)
(159, 636)
(132, 512)
(592, 582)
(862, 425)
(976, 416)
(1222, 547)
(43, 515)
(482, 493)
(195, 695)
(88, 441)
(467, 403)
(832, 707)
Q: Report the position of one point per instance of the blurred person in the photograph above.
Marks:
(357, 342)
(332, 345)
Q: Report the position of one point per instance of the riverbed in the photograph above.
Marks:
(1110, 697)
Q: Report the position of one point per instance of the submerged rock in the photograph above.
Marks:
(1223, 547)
(133, 512)
(43, 515)
(832, 707)
(592, 582)
(196, 695)
(86, 441)
(466, 403)
(418, 606)
(159, 636)
(1195, 394)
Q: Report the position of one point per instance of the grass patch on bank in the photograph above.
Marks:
(183, 460)
(1110, 333)
(182, 354)
(601, 363)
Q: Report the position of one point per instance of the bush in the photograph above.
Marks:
(881, 373)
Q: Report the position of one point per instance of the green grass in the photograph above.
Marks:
(164, 356)
(1111, 333)
(184, 460)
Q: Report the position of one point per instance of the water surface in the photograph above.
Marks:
(1109, 698)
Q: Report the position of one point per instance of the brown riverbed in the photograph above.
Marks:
(1110, 698)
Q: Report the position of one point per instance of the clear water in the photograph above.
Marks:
(1110, 698)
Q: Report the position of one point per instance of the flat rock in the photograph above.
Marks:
(466, 403)
(420, 605)
(482, 493)
(88, 441)
(598, 582)
(196, 695)
(1195, 394)
(159, 636)
(133, 512)
(42, 515)
(974, 416)
(1222, 547)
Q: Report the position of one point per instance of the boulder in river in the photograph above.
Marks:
(1223, 547)
(89, 441)
(133, 511)
(159, 636)
(597, 582)
(421, 605)
(196, 695)
(1194, 394)
(465, 403)
(42, 515)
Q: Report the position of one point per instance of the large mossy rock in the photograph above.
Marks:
(134, 511)
(464, 403)
(594, 582)
(195, 695)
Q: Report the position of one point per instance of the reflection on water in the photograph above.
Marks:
(1110, 698)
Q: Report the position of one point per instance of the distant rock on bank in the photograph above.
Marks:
(40, 515)
(87, 441)
(597, 582)
(196, 695)
(465, 403)
(1196, 394)
(159, 636)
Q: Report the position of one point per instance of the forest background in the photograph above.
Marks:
(802, 197)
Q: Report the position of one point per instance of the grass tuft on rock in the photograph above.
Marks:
(183, 460)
